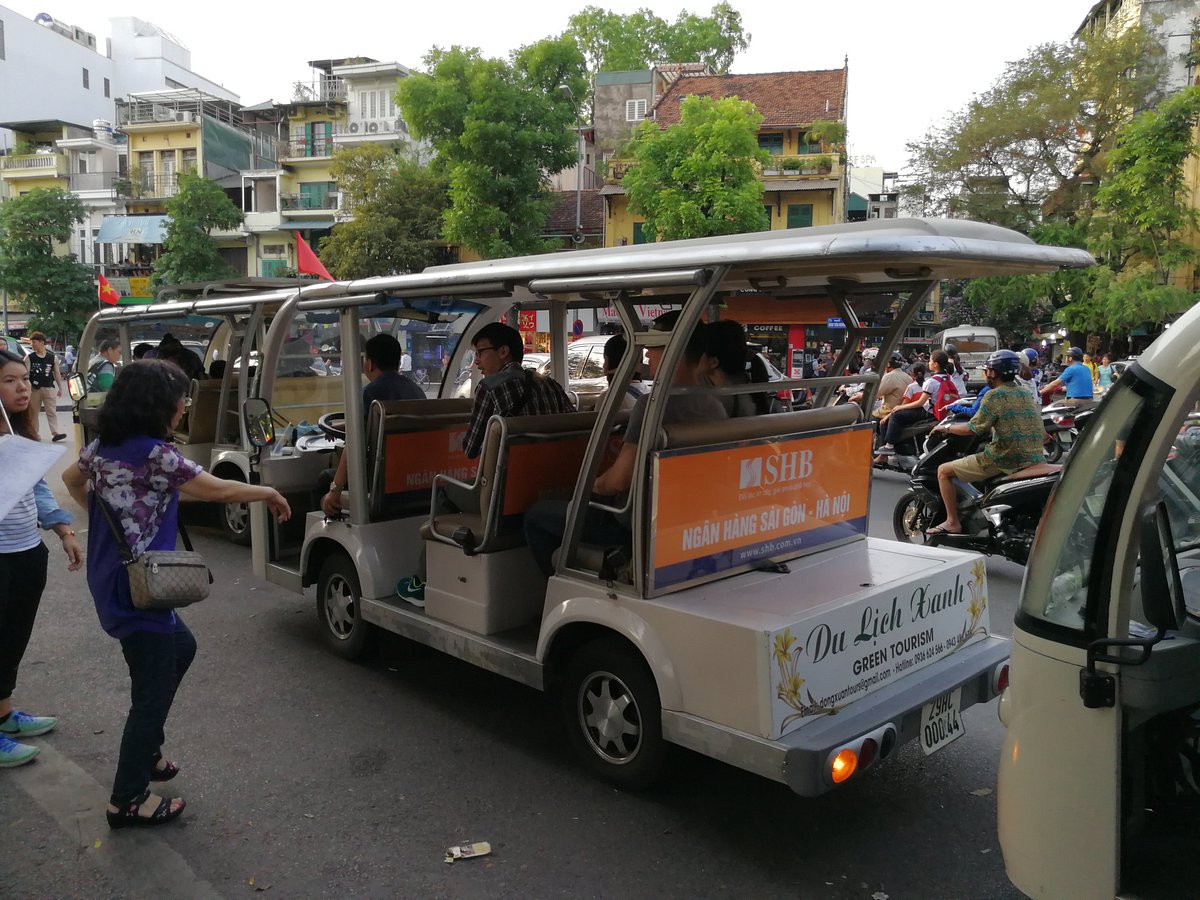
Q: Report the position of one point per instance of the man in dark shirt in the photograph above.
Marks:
(46, 381)
(381, 364)
(507, 390)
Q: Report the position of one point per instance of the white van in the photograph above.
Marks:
(746, 614)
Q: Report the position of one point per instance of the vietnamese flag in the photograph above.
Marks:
(306, 260)
(107, 293)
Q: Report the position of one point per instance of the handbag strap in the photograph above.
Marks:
(123, 544)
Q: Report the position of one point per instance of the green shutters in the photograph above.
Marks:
(772, 143)
(315, 195)
(767, 212)
(273, 268)
(799, 215)
(639, 234)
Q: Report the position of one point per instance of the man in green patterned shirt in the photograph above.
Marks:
(1011, 415)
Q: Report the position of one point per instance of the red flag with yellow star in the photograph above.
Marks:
(108, 293)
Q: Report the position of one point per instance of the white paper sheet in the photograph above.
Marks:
(23, 462)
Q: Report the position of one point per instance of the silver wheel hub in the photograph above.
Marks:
(237, 517)
(610, 718)
(339, 607)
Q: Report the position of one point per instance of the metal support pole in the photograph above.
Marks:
(579, 189)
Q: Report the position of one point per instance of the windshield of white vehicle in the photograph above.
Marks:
(1091, 500)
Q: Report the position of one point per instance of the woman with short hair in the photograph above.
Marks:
(133, 471)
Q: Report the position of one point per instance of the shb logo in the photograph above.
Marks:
(751, 476)
(777, 468)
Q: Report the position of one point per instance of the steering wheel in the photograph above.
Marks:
(333, 424)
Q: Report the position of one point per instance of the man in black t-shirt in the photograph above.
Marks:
(46, 381)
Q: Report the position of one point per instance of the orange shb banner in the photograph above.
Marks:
(107, 293)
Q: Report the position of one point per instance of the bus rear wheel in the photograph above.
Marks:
(610, 705)
(339, 609)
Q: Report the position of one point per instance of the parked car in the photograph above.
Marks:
(585, 369)
(12, 345)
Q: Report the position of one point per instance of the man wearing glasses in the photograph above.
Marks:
(506, 390)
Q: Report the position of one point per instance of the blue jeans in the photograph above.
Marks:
(546, 521)
(157, 663)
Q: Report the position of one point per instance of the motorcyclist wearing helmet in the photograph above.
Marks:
(892, 386)
(855, 392)
(1015, 422)
(1076, 380)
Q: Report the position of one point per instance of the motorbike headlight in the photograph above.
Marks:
(995, 513)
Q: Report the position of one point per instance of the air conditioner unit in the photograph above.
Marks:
(354, 128)
(372, 126)
(185, 116)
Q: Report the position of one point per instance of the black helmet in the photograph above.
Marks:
(1075, 353)
(951, 350)
(897, 359)
(1005, 363)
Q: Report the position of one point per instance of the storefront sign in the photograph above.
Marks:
(721, 509)
(834, 322)
(646, 314)
(132, 290)
(528, 320)
(821, 665)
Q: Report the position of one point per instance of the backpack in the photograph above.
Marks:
(946, 394)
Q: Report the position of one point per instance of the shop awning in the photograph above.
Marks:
(132, 230)
(307, 225)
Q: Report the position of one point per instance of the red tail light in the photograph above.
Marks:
(1000, 678)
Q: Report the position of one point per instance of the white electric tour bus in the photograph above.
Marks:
(1099, 789)
(747, 615)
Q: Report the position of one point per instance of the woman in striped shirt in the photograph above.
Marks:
(23, 562)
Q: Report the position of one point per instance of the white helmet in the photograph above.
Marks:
(870, 353)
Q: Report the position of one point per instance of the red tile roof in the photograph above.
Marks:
(783, 98)
(562, 215)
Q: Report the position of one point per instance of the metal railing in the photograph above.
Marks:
(328, 87)
(148, 186)
(294, 202)
(319, 148)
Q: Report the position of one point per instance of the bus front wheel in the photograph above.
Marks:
(610, 706)
(339, 608)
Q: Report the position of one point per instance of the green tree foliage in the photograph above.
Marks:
(189, 252)
(58, 291)
(498, 128)
(613, 42)
(1032, 143)
(1142, 222)
(698, 177)
(397, 205)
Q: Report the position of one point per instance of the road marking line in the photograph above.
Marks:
(142, 863)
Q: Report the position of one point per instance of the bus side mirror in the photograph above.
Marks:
(76, 388)
(1161, 588)
(260, 428)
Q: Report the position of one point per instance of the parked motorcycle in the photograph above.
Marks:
(1062, 424)
(999, 516)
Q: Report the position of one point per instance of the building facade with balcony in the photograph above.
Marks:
(805, 182)
(347, 103)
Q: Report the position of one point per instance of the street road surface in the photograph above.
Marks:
(307, 776)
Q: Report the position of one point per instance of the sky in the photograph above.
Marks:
(910, 63)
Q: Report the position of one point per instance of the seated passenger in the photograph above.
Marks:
(726, 361)
(546, 520)
(614, 350)
(507, 390)
(381, 364)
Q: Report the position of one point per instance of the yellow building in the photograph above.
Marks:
(804, 186)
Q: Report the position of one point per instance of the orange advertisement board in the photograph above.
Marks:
(724, 508)
(414, 458)
(541, 470)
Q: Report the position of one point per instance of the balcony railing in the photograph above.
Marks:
(315, 149)
(328, 87)
(144, 186)
(34, 163)
(93, 181)
(304, 202)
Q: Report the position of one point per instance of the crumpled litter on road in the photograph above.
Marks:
(467, 851)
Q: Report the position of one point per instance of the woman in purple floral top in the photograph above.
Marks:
(131, 468)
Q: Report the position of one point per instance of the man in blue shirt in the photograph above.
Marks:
(1076, 380)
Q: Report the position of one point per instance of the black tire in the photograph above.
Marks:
(607, 685)
(910, 519)
(339, 609)
(1053, 449)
